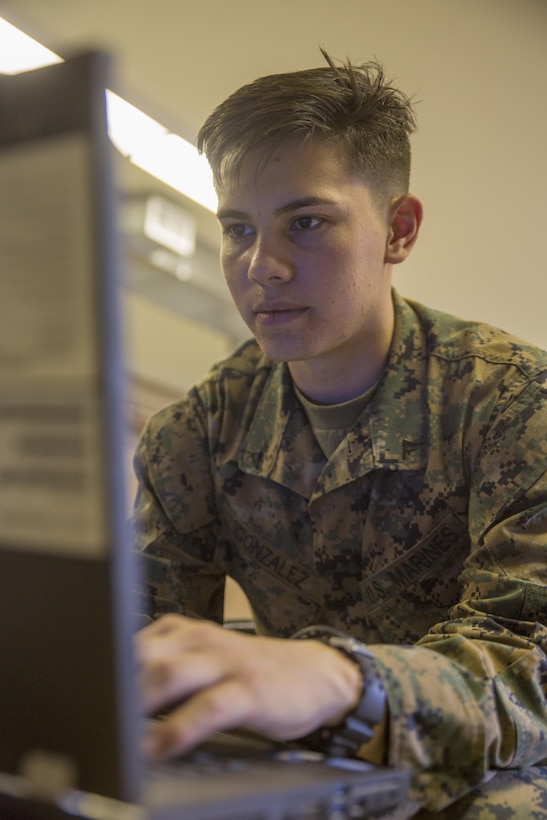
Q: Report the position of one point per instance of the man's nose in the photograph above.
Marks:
(269, 262)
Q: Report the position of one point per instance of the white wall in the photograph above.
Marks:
(480, 165)
(167, 349)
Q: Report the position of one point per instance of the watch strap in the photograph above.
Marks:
(346, 738)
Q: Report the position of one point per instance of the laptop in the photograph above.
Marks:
(69, 718)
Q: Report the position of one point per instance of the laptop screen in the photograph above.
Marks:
(64, 565)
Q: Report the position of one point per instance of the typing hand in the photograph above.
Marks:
(213, 679)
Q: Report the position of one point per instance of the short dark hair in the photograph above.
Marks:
(353, 106)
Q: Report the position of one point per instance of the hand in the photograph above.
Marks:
(222, 679)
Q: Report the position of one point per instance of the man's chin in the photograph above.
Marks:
(278, 352)
(274, 355)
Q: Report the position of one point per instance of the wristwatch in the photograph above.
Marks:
(345, 739)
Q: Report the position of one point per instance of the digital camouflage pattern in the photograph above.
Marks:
(425, 534)
(512, 794)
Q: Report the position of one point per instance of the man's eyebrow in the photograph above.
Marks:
(304, 202)
(230, 213)
(293, 205)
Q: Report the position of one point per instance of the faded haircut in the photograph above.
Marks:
(354, 107)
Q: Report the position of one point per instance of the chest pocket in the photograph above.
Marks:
(412, 593)
(280, 583)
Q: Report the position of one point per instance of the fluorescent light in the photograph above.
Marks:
(159, 152)
(143, 140)
(129, 128)
(19, 52)
(176, 162)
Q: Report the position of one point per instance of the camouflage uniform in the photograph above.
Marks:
(425, 534)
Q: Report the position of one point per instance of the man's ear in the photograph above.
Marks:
(406, 217)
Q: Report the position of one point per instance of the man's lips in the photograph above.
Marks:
(277, 312)
(277, 307)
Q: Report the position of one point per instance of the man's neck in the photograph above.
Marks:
(332, 380)
(333, 388)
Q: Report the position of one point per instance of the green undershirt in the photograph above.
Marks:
(331, 422)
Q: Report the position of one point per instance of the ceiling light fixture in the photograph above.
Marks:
(19, 52)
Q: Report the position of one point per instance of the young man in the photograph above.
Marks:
(365, 463)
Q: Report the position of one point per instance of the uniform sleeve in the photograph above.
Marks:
(174, 525)
(471, 696)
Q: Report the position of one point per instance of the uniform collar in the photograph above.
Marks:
(398, 411)
(280, 444)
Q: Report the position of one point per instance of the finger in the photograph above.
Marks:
(217, 708)
(157, 636)
(175, 633)
(165, 681)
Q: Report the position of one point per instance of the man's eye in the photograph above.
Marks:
(237, 230)
(306, 223)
